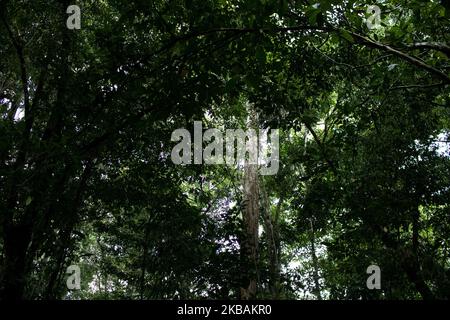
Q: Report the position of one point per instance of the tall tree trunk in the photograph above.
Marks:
(16, 240)
(409, 262)
(412, 265)
(144, 261)
(314, 261)
(273, 241)
(249, 243)
(18, 221)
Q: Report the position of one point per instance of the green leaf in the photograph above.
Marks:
(231, 85)
(441, 55)
(312, 16)
(347, 36)
(260, 54)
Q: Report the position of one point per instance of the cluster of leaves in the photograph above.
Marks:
(86, 177)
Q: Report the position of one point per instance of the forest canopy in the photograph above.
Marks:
(93, 206)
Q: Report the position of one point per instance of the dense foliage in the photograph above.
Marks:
(86, 177)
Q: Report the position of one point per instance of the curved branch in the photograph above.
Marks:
(431, 45)
(360, 38)
(404, 56)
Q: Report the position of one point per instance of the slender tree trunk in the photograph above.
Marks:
(315, 261)
(411, 263)
(18, 232)
(411, 266)
(144, 262)
(271, 231)
(249, 243)
(16, 241)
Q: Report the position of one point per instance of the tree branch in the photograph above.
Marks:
(361, 39)
(23, 70)
(431, 45)
(419, 86)
(404, 56)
